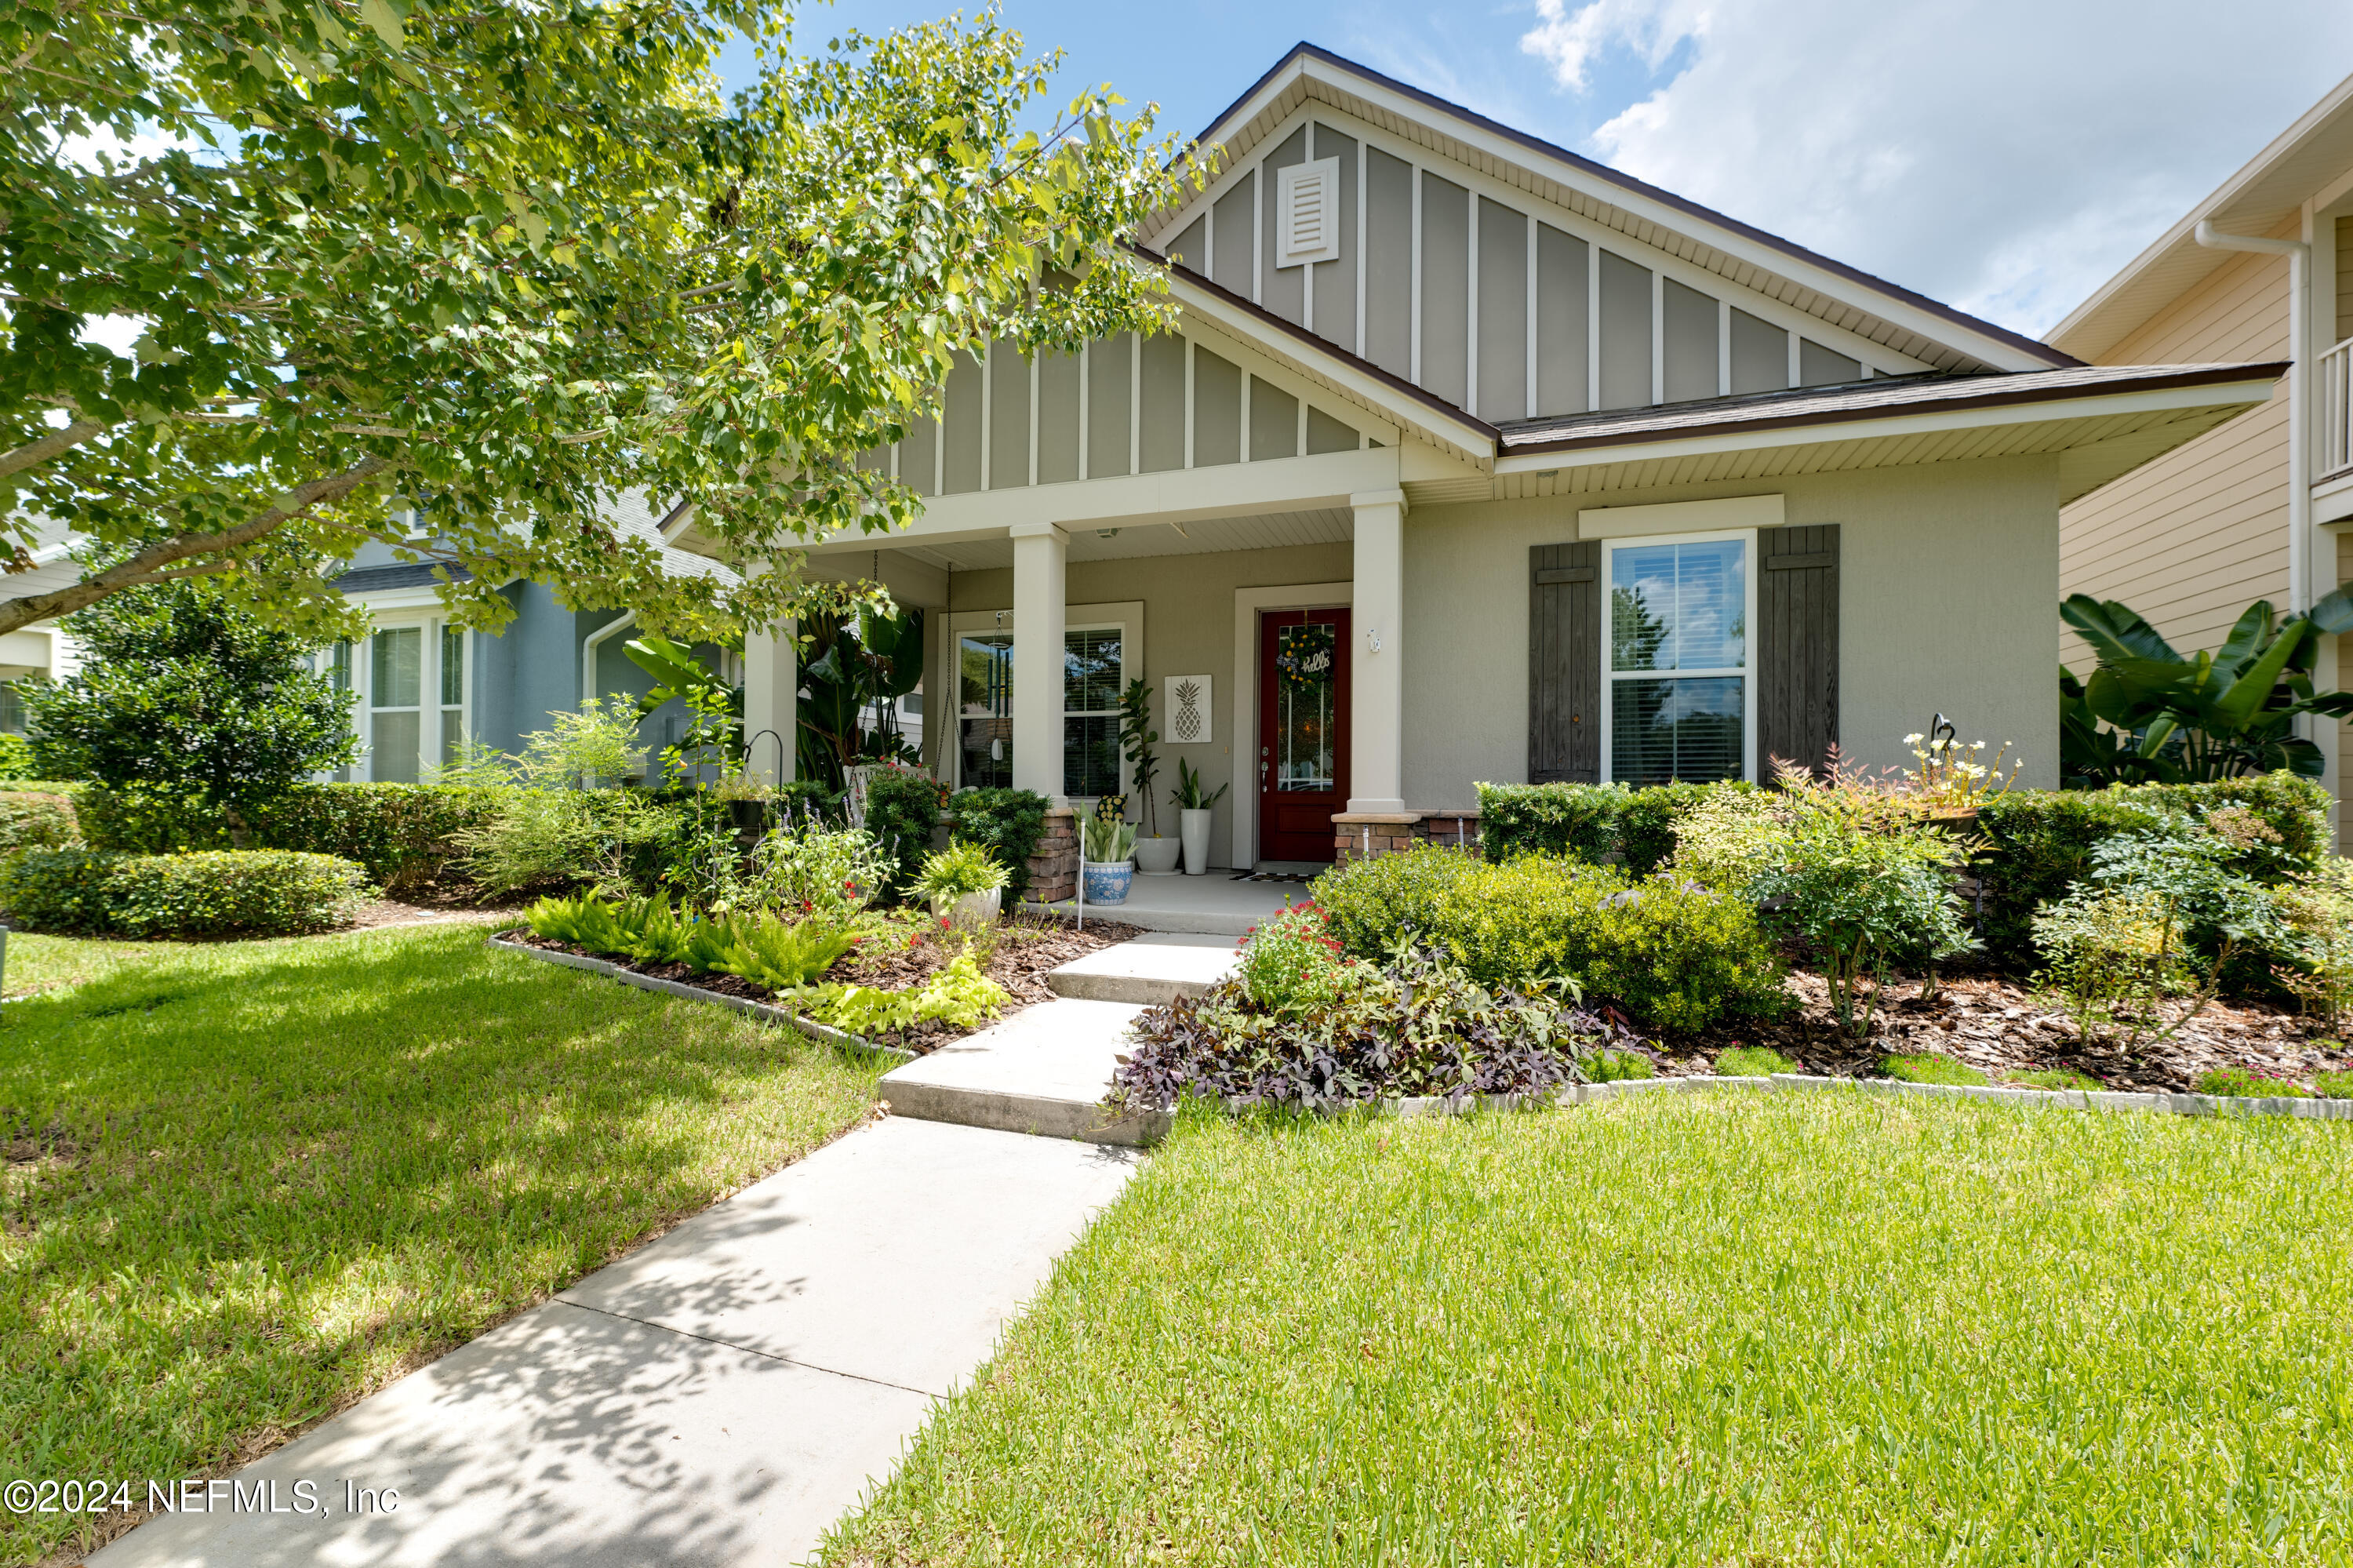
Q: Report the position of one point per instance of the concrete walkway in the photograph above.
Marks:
(1045, 1069)
(718, 1397)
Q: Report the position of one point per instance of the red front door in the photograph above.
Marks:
(1303, 731)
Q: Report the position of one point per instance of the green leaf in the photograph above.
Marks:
(2236, 707)
(380, 17)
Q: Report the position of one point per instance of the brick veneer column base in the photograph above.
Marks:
(1361, 835)
(1054, 868)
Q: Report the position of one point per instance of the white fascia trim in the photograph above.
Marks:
(2234, 394)
(398, 598)
(1463, 438)
(1935, 328)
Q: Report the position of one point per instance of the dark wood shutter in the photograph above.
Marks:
(1796, 646)
(1565, 663)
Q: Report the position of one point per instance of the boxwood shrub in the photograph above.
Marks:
(32, 821)
(1006, 822)
(902, 808)
(402, 835)
(206, 893)
(1674, 955)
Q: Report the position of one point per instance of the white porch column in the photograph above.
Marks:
(1376, 668)
(770, 686)
(1040, 551)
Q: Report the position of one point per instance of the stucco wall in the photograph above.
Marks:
(1949, 601)
(1188, 629)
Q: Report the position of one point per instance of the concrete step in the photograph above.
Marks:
(1042, 1071)
(1148, 970)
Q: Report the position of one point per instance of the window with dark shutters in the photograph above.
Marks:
(1796, 644)
(1565, 663)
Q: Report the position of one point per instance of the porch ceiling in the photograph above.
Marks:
(1332, 526)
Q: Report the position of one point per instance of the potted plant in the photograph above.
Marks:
(749, 801)
(1106, 842)
(964, 884)
(1155, 855)
(1194, 804)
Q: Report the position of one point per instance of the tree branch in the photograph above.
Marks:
(144, 566)
(39, 451)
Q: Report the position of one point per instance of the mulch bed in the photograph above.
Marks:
(1028, 947)
(2000, 1027)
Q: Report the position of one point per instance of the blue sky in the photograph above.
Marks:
(2004, 156)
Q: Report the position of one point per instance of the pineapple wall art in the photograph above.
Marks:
(1184, 710)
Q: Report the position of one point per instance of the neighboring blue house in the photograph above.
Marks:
(424, 686)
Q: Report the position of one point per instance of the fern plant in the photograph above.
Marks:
(770, 952)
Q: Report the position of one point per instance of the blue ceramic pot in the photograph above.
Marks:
(1108, 884)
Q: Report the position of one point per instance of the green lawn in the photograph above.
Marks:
(294, 1170)
(1735, 1328)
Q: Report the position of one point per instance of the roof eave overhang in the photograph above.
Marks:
(2225, 398)
(1417, 413)
(1913, 313)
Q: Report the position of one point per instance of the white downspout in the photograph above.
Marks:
(2299, 405)
(594, 640)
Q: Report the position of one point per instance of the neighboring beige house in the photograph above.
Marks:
(1442, 393)
(43, 650)
(2261, 507)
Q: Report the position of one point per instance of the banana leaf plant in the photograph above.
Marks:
(2149, 715)
(853, 673)
(717, 704)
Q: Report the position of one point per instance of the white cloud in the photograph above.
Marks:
(2006, 156)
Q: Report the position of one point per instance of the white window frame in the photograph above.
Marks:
(430, 708)
(1126, 618)
(1746, 672)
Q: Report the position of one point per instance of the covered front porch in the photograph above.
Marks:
(1270, 644)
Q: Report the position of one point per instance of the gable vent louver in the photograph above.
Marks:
(1307, 207)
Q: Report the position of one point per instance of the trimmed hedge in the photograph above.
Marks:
(1006, 822)
(210, 892)
(2039, 842)
(33, 820)
(402, 835)
(1589, 822)
(1673, 954)
(902, 808)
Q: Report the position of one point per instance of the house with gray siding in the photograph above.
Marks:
(424, 686)
(1470, 459)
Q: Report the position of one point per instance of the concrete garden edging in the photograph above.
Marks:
(1414, 1106)
(823, 1034)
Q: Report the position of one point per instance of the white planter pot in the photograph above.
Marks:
(971, 911)
(1196, 830)
(1156, 856)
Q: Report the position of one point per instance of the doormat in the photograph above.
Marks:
(1274, 876)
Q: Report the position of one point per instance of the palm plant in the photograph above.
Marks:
(2218, 715)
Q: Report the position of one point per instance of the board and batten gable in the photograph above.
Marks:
(1131, 404)
(1947, 582)
(1486, 296)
